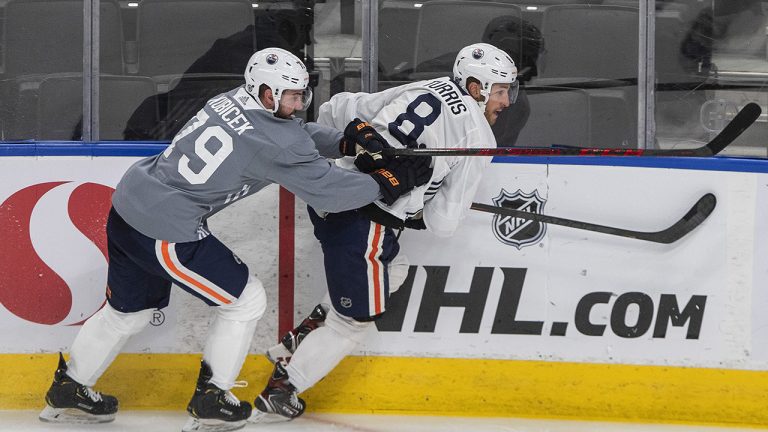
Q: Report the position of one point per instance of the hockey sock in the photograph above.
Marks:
(323, 349)
(230, 335)
(100, 340)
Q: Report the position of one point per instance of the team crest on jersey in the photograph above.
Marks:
(477, 53)
(514, 231)
(271, 58)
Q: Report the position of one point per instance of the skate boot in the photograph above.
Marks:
(213, 409)
(291, 340)
(279, 401)
(68, 401)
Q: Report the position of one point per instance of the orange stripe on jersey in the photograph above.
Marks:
(372, 257)
(187, 278)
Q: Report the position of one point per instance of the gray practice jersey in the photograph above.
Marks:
(233, 148)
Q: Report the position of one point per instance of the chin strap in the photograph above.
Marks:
(484, 102)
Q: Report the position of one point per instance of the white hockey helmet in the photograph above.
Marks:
(489, 65)
(279, 70)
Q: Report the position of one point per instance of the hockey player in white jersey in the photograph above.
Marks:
(240, 142)
(360, 248)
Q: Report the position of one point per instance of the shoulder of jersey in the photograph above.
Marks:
(449, 94)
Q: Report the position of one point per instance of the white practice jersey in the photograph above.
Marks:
(435, 113)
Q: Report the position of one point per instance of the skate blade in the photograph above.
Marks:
(262, 417)
(210, 425)
(72, 416)
(277, 353)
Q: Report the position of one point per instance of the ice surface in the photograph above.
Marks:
(163, 421)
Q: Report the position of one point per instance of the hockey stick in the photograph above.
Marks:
(695, 216)
(732, 130)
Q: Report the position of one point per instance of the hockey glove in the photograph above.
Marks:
(401, 175)
(369, 162)
(362, 140)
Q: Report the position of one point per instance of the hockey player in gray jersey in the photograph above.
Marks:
(238, 143)
(360, 248)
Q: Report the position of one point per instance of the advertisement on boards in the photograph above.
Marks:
(53, 272)
(511, 288)
(758, 348)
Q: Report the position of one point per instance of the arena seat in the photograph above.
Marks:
(571, 117)
(173, 35)
(45, 37)
(589, 41)
(397, 38)
(60, 106)
(594, 48)
(559, 116)
(444, 27)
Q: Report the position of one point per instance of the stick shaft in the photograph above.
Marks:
(748, 114)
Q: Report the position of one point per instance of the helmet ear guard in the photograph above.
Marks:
(279, 70)
(489, 65)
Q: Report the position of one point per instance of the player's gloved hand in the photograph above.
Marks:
(368, 162)
(362, 140)
(401, 175)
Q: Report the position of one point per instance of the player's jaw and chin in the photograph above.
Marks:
(498, 101)
(291, 101)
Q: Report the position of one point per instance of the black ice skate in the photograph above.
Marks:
(71, 402)
(213, 409)
(291, 340)
(279, 401)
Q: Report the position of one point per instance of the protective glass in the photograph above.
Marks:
(514, 89)
(298, 100)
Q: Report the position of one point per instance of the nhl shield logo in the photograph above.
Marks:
(514, 231)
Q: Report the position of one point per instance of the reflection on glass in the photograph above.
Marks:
(574, 72)
(31, 55)
(711, 61)
(161, 59)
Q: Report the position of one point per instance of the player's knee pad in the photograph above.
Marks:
(398, 271)
(349, 328)
(126, 323)
(250, 306)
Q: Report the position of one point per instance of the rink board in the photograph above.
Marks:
(424, 386)
(504, 318)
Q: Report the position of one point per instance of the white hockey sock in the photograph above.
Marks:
(100, 340)
(317, 355)
(324, 348)
(230, 335)
(225, 350)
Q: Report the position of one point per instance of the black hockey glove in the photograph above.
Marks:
(362, 140)
(369, 162)
(401, 175)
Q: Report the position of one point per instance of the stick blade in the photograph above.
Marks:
(736, 127)
(692, 219)
(695, 216)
